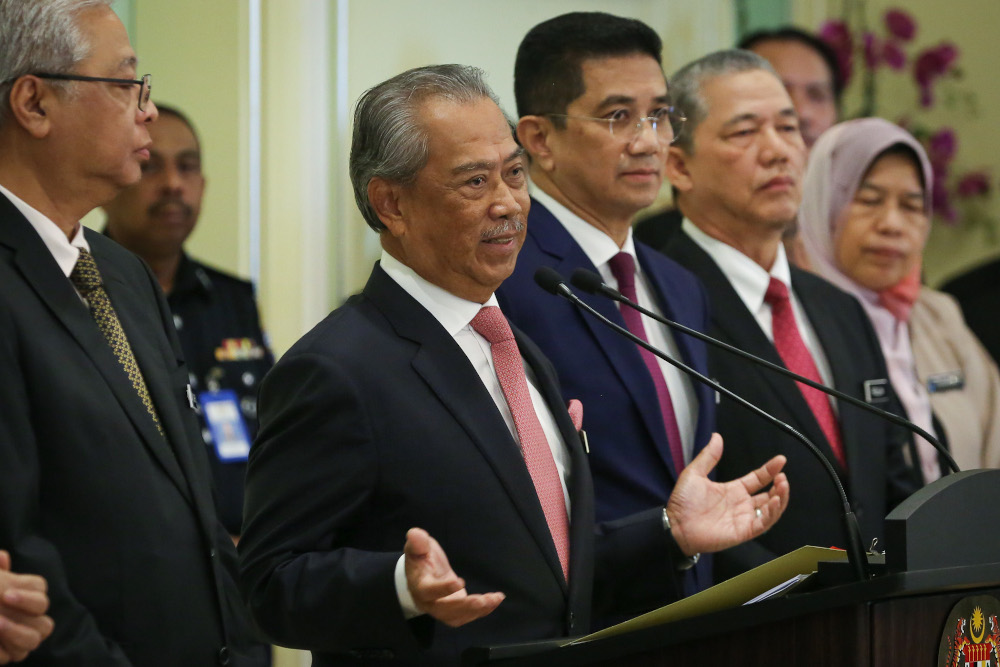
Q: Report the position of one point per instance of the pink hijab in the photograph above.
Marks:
(837, 163)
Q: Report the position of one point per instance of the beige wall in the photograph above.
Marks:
(972, 25)
(194, 51)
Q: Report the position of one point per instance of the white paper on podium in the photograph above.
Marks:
(730, 593)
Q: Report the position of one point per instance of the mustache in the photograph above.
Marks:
(509, 226)
(158, 207)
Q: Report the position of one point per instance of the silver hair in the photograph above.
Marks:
(687, 83)
(40, 36)
(389, 141)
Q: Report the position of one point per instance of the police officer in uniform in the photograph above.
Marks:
(215, 313)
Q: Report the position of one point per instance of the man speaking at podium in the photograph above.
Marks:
(418, 485)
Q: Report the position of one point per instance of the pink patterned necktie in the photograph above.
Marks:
(623, 269)
(797, 359)
(492, 325)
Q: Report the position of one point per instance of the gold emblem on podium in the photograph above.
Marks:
(971, 636)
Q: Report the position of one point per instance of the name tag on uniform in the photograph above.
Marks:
(877, 391)
(949, 381)
(225, 421)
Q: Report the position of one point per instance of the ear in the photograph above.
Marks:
(677, 169)
(534, 134)
(384, 198)
(31, 101)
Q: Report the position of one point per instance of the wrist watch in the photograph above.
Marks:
(682, 561)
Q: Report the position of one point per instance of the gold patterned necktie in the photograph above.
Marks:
(87, 279)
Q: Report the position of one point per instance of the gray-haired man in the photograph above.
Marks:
(412, 423)
(737, 172)
(104, 489)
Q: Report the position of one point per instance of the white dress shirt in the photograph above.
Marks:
(65, 251)
(750, 281)
(600, 248)
(455, 315)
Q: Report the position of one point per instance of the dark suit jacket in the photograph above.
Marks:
(375, 422)
(656, 230)
(119, 519)
(629, 454)
(876, 479)
(978, 293)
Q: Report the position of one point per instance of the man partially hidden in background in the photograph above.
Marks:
(215, 313)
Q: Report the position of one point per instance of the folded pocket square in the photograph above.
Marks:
(575, 409)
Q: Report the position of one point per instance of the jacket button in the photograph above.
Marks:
(572, 622)
(223, 657)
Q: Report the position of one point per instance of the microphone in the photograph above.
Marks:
(549, 279)
(592, 283)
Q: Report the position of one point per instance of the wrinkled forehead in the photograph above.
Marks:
(757, 92)
(109, 49)
(458, 131)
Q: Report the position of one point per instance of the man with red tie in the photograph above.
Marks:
(737, 170)
(418, 485)
(596, 119)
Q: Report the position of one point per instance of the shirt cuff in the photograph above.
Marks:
(406, 602)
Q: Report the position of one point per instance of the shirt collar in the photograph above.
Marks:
(596, 245)
(65, 251)
(453, 312)
(745, 275)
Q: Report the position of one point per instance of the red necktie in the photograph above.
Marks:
(492, 325)
(623, 269)
(797, 359)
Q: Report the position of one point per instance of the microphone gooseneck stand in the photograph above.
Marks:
(590, 282)
(549, 280)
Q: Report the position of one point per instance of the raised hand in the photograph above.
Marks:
(707, 516)
(435, 587)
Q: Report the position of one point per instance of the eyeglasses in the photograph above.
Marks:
(667, 123)
(145, 83)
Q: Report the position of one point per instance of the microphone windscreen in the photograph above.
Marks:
(548, 279)
(587, 280)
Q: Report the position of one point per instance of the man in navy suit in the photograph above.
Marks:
(597, 122)
(398, 411)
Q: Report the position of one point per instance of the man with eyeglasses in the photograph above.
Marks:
(596, 120)
(104, 489)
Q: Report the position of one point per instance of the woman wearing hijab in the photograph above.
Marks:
(864, 220)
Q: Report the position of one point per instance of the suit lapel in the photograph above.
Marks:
(130, 307)
(40, 270)
(446, 370)
(581, 531)
(622, 354)
(736, 323)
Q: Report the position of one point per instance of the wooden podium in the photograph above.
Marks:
(942, 546)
